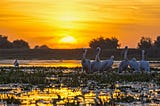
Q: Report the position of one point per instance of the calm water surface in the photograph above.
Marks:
(60, 63)
(32, 95)
(45, 63)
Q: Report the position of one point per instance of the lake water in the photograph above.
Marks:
(60, 63)
(88, 94)
(43, 63)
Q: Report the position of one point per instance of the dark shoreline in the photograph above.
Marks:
(70, 54)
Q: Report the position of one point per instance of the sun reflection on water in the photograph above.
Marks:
(66, 95)
(51, 94)
(43, 63)
(60, 63)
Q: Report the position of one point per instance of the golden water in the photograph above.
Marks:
(59, 63)
(66, 95)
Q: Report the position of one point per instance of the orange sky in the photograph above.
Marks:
(73, 23)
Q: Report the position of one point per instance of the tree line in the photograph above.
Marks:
(17, 44)
(6, 44)
(113, 43)
(104, 43)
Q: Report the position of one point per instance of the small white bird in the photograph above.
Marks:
(16, 63)
(96, 65)
(144, 65)
(134, 65)
(124, 63)
(86, 64)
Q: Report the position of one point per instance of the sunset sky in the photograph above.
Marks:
(73, 23)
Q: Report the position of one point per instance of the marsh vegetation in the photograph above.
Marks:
(48, 85)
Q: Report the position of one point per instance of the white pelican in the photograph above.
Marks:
(134, 65)
(144, 65)
(86, 64)
(105, 65)
(124, 63)
(95, 65)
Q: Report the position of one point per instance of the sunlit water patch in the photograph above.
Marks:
(43, 63)
(60, 63)
(70, 86)
(123, 94)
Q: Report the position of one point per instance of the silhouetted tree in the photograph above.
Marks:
(20, 44)
(157, 42)
(4, 43)
(99, 42)
(36, 47)
(108, 43)
(41, 47)
(111, 43)
(145, 43)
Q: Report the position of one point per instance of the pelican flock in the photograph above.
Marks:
(100, 66)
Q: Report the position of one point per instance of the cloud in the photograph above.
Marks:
(46, 20)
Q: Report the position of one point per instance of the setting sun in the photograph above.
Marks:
(81, 20)
(68, 39)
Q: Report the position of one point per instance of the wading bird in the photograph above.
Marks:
(16, 63)
(124, 63)
(134, 65)
(107, 64)
(144, 65)
(86, 64)
(96, 65)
